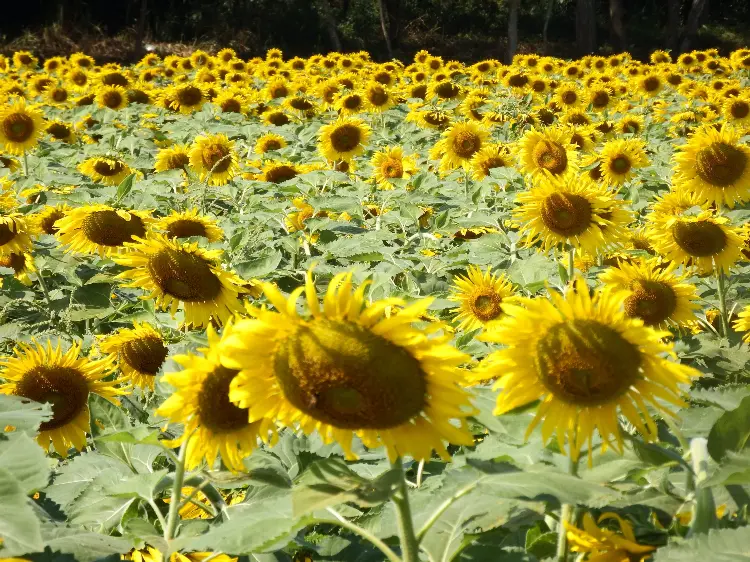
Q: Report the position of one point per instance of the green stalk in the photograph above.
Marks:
(174, 505)
(566, 515)
(357, 530)
(25, 164)
(409, 543)
(722, 290)
(571, 263)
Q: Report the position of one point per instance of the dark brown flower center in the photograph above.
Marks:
(65, 388)
(739, 109)
(6, 234)
(651, 84)
(184, 228)
(600, 99)
(17, 262)
(392, 168)
(108, 168)
(566, 214)
(115, 79)
(569, 97)
(278, 118)
(346, 138)
(59, 131)
(189, 96)
(18, 127)
(281, 173)
(551, 156)
(447, 90)
(216, 157)
(466, 143)
(184, 276)
(107, 228)
(301, 104)
(651, 301)
(146, 355)
(700, 238)
(215, 411)
(178, 161)
(112, 99)
(59, 95)
(620, 164)
(48, 221)
(720, 164)
(485, 305)
(271, 144)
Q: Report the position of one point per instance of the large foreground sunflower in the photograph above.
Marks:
(657, 295)
(587, 362)
(100, 229)
(214, 158)
(343, 139)
(46, 374)
(174, 273)
(577, 212)
(348, 369)
(201, 403)
(139, 352)
(481, 297)
(715, 165)
(20, 127)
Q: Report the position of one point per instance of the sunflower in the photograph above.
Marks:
(184, 224)
(742, 324)
(46, 374)
(200, 401)
(577, 212)
(45, 221)
(231, 101)
(22, 264)
(657, 295)
(736, 110)
(269, 142)
(649, 85)
(547, 152)
(61, 131)
(174, 273)
(603, 545)
(57, 95)
(279, 172)
(674, 203)
(106, 170)
(458, 144)
(585, 359)
(214, 158)
(389, 164)
(11, 164)
(378, 97)
(632, 124)
(704, 241)
(620, 158)
(15, 234)
(569, 95)
(100, 229)
(139, 352)
(343, 139)
(20, 127)
(481, 297)
(347, 368)
(187, 98)
(715, 165)
(174, 157)
(113, 97)
(488, 158)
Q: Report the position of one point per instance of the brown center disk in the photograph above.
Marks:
(184, 228)
(216, 157)
(566, 214)
(145, 355)
(107, 228)
(6, 234)
(184, 276)
(63, 387)
(18, 127)
(699, 239)
(466, 143)
(651, 301)
(215, 411)
(551, 156)
(720, 164)
(345, 138)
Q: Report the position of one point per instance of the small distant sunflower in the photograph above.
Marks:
(174, 273)
(201, 402)
(389, 164)
(649, 85)
(621, 158)
(577, 212)
(15, 234)
(106, 170)
(231, 101)
(20, 127)
(343, 139)
(705, 241)
(139, 352)
(603, 545)
(214, 158)
(378, 97)
(631, 124)
(736, 110)
(175, 157)
(568, 95)
(100, 229)
(113, 97)
(587, 362)
(57, 95)
(188, 98)
(458, 144)
(46, 374)
(488, 158)
(481, 297)
(715, 165)
(656, 294)
(350, 103)
(348, 369)
(22, 264)
(46, 219)
(268, 142)
(547, 152)
(184, 224)
(61, 131)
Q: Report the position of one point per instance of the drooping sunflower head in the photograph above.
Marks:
(186, 224)
(20, 127)
(61, 131)
(175, 157)
(715, 165)
(621, 158)
(269, 142)
(21, 264)
(278, 172)
(201, 402)
(16, 233)
(214, 158)
(107, 170)
(547, 152)
(345, 368)
(390, 164)
(577, 212)
(458, 144)
(587, 362)
(481, 296)
(63, 379)
(174, 272)
(490, 157)
(139, 352)
(47, 218)
(343, 139)
(100, 229)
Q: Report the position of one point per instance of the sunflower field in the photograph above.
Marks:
(330, 309)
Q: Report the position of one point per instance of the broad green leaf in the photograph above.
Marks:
(79, 473)
(723, 545)
(22, 457)
(84, 545)
(19, 526)
(731, 431)
(137, 485)
(124, 188)
(22, 414)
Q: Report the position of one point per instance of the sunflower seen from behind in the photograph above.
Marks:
(343, 139)
(139, 352)
(200, 401)
(100, 229)
(481, 296)
(175, 273)
(214, 158)
(346, 368)
(587, 363)
(44, 373)
(20, 127)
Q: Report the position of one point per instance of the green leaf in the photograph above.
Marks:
(25, 460)
(79, 473)
(84, 545)
(734, 469)
(259, 267)
(23, 414)
(141, 434)
(95, 509)
(19, 527)
(539, 543)
(124, 188)
(724, 545)
(731, 431)
(137, 485)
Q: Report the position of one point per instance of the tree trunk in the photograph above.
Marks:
(547, 19)
(693, 21)
(618, 28)
(326, 16)
(384, 27)
(140, 30)
(674, 21)
(585, 27)
(512, 30)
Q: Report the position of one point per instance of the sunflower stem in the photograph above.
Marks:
(571, 263)
(357, 530)
(409, 543)
(722, 290)
(25, 164)
(566, 516)
(45, 291)
(174, 506)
